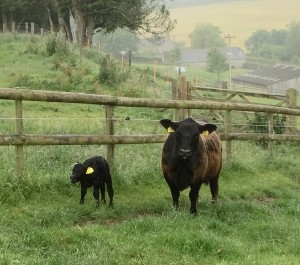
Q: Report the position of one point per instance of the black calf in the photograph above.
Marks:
(93, 172)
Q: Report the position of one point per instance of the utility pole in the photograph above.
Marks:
(229, 37)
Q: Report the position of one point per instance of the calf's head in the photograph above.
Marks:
(78, 172)
(187, 133)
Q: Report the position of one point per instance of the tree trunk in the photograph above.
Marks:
(90, 30)
(80, 24)
(65, 28)
(54, 24)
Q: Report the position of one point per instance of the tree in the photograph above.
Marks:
(216, 62)
(292, 45)
(174, 55)
(206, 36)
(145, 17)
(20, 11)
(267, 44)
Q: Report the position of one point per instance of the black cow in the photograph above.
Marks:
(192, 155)
(93, 172)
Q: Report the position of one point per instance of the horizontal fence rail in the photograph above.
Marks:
(67, 97)
(26, 139)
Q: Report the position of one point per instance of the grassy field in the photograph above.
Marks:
(256, 220)
(240, 18)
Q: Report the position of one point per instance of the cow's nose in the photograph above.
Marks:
(184, 153)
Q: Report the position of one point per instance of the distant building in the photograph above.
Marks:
(272, 79)
(198, 57)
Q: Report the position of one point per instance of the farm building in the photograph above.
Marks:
(198, 57)
(272, 79)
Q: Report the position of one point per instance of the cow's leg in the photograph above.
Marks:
(83, 192)
(214, 189)
(194, 194)
(102, 190)
(96, 195)
(110, 192)
(175, 194)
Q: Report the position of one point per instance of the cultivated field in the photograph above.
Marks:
(240, 18)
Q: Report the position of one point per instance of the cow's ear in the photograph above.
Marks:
(166, 123)
(207, 127)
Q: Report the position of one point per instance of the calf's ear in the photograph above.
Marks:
(207, 127)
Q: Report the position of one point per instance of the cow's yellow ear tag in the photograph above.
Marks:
(89, 170)
(170, 130)
(205, 133)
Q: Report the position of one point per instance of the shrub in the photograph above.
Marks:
(111, 72)
(260, 124)
(51, 45)
(56, 45)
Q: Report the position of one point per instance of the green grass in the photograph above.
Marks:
(256, 220)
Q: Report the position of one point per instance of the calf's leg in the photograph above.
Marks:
(102, 190)
(83, 192)
(110, 191)
(96, 195)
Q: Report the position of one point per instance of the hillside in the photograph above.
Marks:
(240, 17)
(255, 221)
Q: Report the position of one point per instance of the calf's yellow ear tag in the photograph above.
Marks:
(89, 170)
(205, 133)
(170, 130)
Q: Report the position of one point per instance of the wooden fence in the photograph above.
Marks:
(26, 28)
(21, 139)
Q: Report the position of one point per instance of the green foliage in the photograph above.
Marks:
(275, 44)
(111, 72)
(173, 56)
(260, 124)
(293, 42)
(56, 45)
(206, 36)
(216, 62)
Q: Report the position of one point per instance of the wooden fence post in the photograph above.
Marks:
(4, 27)
(228, 142)
(175, 97)
(26, 27)
(32, 28)
(271, 128)
(189, 97)
(110, 128)
(182, 88)
(13, 27)
(291, 102)
(19, 131)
